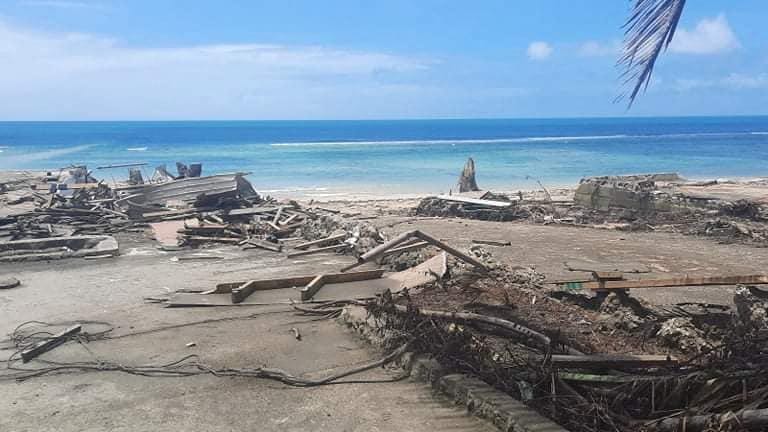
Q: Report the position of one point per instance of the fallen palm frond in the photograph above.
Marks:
(648, 31)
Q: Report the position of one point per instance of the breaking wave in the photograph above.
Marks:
(508, 140)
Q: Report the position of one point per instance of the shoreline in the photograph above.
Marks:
(330, 193)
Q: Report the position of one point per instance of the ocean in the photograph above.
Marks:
(327, 159)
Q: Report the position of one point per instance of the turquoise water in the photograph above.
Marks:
(409, 156)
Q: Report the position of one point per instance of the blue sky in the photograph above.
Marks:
(333, 59)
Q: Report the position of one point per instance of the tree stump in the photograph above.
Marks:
(467, 182)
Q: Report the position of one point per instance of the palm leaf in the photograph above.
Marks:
(648, 31)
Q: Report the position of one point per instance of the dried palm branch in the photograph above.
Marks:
(648, 31)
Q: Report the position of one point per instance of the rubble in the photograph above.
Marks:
(442, 207)
(751, 308)
(682, 334)
(603, 193)
(57, 248)
(619, 311)
(605, 361)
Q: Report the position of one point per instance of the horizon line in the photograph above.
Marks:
(385, 119)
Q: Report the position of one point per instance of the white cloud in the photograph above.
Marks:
(75, 75)
(539, 50)
(599, 49)
(710, 36)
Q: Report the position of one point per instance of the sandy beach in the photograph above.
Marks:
(547, 233)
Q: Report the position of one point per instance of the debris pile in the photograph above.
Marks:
(603, 193)
(500, 209)
(503, 328)
(625, 203)
(360, 236)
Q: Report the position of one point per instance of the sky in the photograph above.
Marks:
(366, 59)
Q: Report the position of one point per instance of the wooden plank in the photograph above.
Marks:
(278, 213)
(318, 250)
(309, 291)
(669, 283)
(290, 219)
(49, 344)
(265, 245)
(321, 242)
(244, 289)
(241, 290)
(212, 239)
(313, 287)
(612, 361)
(607, 275)
(249, 211)
(407, 248)
(353, 277)
(480, 202)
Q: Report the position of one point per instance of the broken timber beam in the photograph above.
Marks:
(278, 213)
(402, 238)
(49, 344)
(668, 283)
(262, 244)
(314, 286)
(323, 241)
(406, 248)
(318, 250)
(241, 290)
(288, 220)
